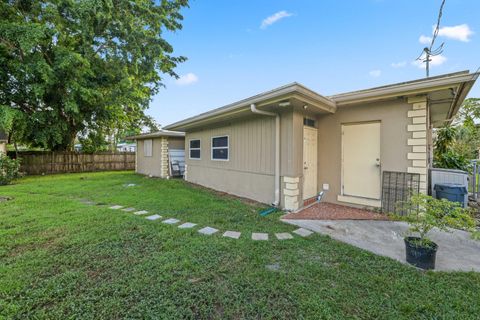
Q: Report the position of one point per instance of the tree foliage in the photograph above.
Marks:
(71, 66)
(444, 156)
(14, 123)
(457, 144)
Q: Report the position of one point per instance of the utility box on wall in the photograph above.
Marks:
(448, 176)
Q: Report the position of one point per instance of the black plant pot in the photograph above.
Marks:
(420, 256)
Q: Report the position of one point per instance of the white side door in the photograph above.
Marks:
(361, 170)
(309, 162)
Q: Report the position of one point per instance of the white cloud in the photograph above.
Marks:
(436, 61)
(424, 39)
(274, 18)
(375, 73)
(461, 32)
(187, 79)
(400, 64)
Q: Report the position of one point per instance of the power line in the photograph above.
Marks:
(429, 52)
(437, 28)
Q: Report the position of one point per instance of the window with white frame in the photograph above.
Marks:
(148, 148)
(220, 148)
(194, 149)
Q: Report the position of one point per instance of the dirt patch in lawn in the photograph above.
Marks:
(247, 201)
(50, 239)
(5, 198)
(331, 211)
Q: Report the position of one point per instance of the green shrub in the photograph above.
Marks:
(451, 159)
(425, 213)
(9, 169)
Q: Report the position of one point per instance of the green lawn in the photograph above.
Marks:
(61, 259)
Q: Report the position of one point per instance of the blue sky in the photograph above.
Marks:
(236, 49)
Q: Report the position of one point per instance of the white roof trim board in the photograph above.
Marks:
(158, 134)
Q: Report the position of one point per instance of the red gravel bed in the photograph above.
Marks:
(331, 211)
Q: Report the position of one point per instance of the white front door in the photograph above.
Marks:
(361, 170)
(309, 162)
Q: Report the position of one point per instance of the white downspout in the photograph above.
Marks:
(254, 109)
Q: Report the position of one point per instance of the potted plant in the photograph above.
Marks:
(423, 213)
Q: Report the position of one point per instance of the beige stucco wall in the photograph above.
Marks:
(3, 147)
(149, 165)
(157, 164)
(292, 161)
(393, 145)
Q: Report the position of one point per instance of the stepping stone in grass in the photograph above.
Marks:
(187, 225)
(87, 202)
(116, 207)
(128, 209)
(273, 267)
(303, 232)
(260, 236)
(232, 234)
(139, 213)
(154, 217)
(283, 236)
(171, 221)
(208, 231)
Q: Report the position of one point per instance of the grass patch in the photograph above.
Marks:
(60, 258)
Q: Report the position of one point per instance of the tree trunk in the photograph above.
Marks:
(71, 141)
(16, 149)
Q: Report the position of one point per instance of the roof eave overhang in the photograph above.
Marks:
(462, 93)
(293, 91)
(156, 135)
(408, 89)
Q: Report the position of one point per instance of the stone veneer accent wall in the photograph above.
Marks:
(417, 142)
(164, 157)
(291, 192)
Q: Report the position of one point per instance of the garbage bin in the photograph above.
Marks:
(451, 192)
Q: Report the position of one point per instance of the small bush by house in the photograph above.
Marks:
(9, 169)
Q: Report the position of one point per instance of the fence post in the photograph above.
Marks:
(474, 180)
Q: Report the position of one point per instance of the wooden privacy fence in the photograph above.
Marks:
(46, 162)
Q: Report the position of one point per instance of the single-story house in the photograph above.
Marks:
(3, 142)
(126, 147)
(286, 145)
(160, 154)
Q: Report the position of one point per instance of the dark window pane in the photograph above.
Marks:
(220, 154)
(195, 154)
(220, 142)
(194, 143)
(309, 122)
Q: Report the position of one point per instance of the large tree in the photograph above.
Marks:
(70, 66)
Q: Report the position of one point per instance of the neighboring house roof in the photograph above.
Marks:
(446, 92)
(158, 134)
(3, 136)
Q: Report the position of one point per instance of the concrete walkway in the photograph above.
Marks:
(456, 252)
